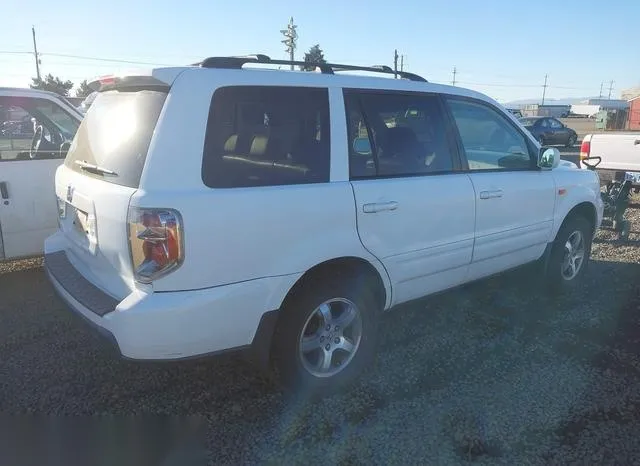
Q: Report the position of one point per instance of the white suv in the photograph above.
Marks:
(217, 207)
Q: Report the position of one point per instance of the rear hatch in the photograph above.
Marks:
(101, 172)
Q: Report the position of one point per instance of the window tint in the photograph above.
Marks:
(19, 118)
(407, 132)
(490, 142)
(266, 136)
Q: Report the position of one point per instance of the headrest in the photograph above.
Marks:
(232, 142)
(259, 146)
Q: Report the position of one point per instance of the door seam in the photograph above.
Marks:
(355, 205)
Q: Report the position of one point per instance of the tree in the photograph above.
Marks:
(314, 55)
(53, 84)
(83, 89)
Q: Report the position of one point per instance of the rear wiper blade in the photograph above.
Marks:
(94, 168)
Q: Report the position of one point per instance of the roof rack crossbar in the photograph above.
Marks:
(237, 62)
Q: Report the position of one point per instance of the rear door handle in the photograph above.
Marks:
(491, 194)
(379, 207)
(4, 191)
(636, 142)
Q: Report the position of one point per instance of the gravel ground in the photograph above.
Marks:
(493, 373)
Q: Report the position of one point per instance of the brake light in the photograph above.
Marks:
(155, 242)
(585, 150)
(107, 80)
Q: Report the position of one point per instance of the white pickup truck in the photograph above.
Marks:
(619, 153)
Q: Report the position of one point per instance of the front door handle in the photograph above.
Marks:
(491, 194)
(4, 191)
(379, 207)
(636, 142)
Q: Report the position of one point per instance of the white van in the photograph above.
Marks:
(36, 129)
(217, 207)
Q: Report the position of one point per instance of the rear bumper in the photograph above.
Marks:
(170, 325)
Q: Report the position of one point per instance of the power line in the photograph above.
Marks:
(113, 60)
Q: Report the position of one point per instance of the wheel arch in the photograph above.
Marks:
(344, 265)
(586, 210)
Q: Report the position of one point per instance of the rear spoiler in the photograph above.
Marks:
(111, 82)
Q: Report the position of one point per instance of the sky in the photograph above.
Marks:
(503, 48)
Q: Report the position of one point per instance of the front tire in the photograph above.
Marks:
(570, 254)
(326, 335)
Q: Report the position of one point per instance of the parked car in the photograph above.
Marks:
(295, 207)
(549, 131)
(619, 153)
(28, 160)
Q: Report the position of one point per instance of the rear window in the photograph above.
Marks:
(115, 135)
(267, 136)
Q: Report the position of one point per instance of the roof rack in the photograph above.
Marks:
(238, 62)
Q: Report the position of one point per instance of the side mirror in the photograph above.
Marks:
(362, 146)
(548, 158)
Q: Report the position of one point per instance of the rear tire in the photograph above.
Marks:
(318, 326)
(570, 254)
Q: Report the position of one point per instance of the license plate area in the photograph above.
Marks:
(80, 227)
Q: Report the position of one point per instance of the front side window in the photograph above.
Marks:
(267, 136)
(490, 141)
(555, 124)
(396, 134)
(33, 128)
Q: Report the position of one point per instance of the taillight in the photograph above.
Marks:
(585, 150)
(155, 242)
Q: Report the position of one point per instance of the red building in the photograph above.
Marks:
(634, 113)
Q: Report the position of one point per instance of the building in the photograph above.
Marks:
(631, 93)
(634, 113)
(556, 111)
(591, 107)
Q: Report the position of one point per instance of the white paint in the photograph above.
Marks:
(618, 151)
(30, 213)
(246, 247)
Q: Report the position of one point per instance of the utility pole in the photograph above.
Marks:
(401, 62)
(455, 71)
(544, 88)
(35, 52)
(600, 95)
(291, 36)
(610, 88)
(395, 64)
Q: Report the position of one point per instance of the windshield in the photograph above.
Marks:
(115, 135)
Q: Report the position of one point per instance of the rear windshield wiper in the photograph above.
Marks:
(94, 168)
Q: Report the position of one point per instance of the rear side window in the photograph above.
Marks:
(115, 135)
(396, 134)
(267, 136)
